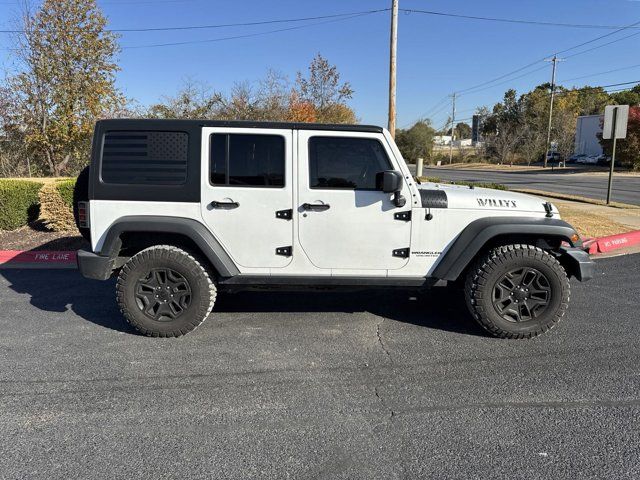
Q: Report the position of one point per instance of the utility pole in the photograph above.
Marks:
(555, 61)
(453, 126)
(392, 68)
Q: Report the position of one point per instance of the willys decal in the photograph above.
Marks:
(492, 202)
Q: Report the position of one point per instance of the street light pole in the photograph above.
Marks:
(392, 68)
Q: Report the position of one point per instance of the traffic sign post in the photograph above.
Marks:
(616, 118)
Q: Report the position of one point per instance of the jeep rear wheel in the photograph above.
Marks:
(164, 291)
(517, 291)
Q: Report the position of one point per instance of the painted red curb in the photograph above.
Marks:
(41, 257)
(613, 242)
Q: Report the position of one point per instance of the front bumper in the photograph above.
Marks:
(577, 263)
(94, 266)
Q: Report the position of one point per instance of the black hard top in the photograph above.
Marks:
(139, 124)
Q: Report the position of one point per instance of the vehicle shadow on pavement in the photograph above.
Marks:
(94, 301)
(64, 290)
(440, 309)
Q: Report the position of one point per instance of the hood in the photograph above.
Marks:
(463, 197)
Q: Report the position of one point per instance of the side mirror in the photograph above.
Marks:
(390, 181)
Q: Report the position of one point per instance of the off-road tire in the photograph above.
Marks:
(140, 271)
(485, 277)
(81, 194)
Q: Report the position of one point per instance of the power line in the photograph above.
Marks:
(512, 20)
(248, 35)
(430, 112)
(568, 91)
(603, 45)
(225, 25)
(633, 25)
(460, 92)
(600, 73)
(467, 92)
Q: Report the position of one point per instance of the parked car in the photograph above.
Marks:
(576, 158)
(588, 160)
(181, 210)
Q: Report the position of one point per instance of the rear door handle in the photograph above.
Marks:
(224, 205)
(316, 207)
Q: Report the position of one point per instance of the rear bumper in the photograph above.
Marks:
(94, 266)
(578, 263)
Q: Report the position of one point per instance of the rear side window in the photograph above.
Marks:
(246, 160)
(145, 158)
(348, 163)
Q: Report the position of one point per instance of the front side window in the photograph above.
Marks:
(343, 162)
(247, 160)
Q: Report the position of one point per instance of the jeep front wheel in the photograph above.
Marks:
(517, 291)
(163, 291)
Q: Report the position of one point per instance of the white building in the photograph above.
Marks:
(442, 140)
(465, 142)
(587, 130)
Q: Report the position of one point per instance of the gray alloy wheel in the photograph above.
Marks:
(163, 294)
(517, 291)
(522, 294)
(165, 291)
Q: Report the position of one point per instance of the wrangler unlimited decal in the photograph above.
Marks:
(492, 202)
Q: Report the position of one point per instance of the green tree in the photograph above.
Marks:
(322, 89)
(417, 141)
(193, 101)
(65, 81)
(319, 98)
(627, 97)
(463, 130)
(505, 129)
(627, 150)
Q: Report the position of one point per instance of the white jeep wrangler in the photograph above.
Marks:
(183, 209)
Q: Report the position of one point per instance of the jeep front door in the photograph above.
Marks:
(247, 193)
(345, 223)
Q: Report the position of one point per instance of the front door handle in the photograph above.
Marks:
(316, 207)
(224, 205)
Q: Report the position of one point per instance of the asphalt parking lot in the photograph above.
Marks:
(317, 385)
(626, 189)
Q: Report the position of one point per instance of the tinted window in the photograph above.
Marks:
(342, 162)
(145, 157)
(247, 160)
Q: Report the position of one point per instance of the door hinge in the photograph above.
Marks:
(284, 251)
(406, 216)
(285, 214)
(401, 253)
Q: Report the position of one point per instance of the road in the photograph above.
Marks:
(317, 385)
(626, 189)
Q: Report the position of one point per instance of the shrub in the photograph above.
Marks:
(55, 212)
(18, 203)
(65, 189)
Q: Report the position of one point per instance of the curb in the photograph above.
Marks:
(613, 242)
(37, 259)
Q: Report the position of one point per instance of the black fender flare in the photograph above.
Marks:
(193, 229)
(475, 236)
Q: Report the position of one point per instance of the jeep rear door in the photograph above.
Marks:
(247, 193)
(344, 223)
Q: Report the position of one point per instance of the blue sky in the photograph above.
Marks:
(436, 55)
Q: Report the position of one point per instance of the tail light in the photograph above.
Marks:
(83, 214)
